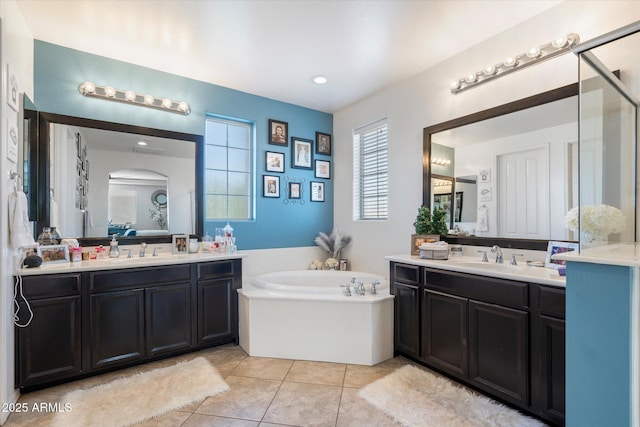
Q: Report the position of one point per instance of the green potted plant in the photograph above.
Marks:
(428, 227)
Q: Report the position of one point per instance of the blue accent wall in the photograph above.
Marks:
(58, 71)
(598, 352)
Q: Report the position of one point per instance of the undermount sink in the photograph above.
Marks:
(490, 266)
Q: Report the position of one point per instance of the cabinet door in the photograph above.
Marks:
(407, 319)
(117, 327)
(50, 347)
(552, 367)
(168, 318)
(445, 328)
(216, 318)
(499, 351)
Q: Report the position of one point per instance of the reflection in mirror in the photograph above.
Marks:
(85, 163)
(137, 203)
(525, 162)
(27, 157)
(442, 190)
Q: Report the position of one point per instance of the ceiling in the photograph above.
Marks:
(272, 48)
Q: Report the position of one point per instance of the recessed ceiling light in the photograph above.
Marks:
(319, 80)
(142, 143)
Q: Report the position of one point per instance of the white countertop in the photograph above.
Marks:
(622, 254)
(124, 262)
(466, 264)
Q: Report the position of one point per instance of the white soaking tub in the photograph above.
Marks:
(305, 315)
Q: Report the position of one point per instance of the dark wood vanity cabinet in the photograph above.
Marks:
(94, 321)
(49, 348)
(503, 337)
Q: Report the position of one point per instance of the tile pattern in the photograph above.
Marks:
(264, 392)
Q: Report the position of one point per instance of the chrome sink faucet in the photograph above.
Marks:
(143, 246)
(498, 252)
(359, 286)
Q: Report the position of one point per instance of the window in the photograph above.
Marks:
(370, 172)
(228, 169)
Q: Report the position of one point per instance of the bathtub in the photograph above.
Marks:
(304, 315)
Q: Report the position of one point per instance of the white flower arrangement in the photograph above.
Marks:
(600, 220)
(332, 243)
(316, 264)
(331, 263)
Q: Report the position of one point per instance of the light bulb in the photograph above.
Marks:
(560, 42)
(534, 52)
(142, 143)
(471, 78)
(167, 103)
(183, 106)
(88, 87)
(455, 84)
(490, 70)
(149, 99)
(109, 91)
(510, 62)
(130, 95)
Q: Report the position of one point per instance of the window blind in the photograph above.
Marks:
(370, 172)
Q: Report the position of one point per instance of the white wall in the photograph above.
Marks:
(425, 99)
(16, 49)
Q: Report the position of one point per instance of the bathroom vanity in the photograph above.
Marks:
(101, 315)
(498, 328)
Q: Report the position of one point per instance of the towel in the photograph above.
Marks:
(19, 229)
(482, 223)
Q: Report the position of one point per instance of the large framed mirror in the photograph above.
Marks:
(506, 175)
(99, 178)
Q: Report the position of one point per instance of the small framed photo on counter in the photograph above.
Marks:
(558, 248)
(180, 244)
(53, 254)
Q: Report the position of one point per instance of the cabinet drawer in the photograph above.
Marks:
(487, 289)
(409, 274)
(208, 270)
(142, 277)
(551, 301)
(51, 285)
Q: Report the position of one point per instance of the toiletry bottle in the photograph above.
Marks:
(114, 250)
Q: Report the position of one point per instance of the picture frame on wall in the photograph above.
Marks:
(295, 190)
(323, 169)
(180, 244)
(323, 143)
(301, 153)
(271, 186)
(317, 191)
(278, 131)
(274, 162)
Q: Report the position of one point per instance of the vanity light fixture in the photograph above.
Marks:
(130, 97)
(441, 162)
(532, 56)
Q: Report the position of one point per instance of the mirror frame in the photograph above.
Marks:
(30, 185)
(43, 170)
(511, 107)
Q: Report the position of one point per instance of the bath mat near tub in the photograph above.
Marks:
(129, 400)
(415, 397)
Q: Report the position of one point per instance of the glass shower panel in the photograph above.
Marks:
(608, 142)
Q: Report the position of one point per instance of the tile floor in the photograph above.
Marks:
(264, 392)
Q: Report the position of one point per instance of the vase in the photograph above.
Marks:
(590, 240)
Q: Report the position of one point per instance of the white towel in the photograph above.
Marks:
(19, 229)
(482, 223)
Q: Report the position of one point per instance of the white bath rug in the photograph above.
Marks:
(130, 400)
(415, 397)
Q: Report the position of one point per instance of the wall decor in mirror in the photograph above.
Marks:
(108, 178)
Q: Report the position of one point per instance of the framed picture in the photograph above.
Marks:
(419, 239)
(78, 145)
(53, 254)
(301, 155)
(323, 143)
(180, 244)
(12, 90)
(558, 248)
(344, 264)
(484, 175)
(278, 131)
(317, 191)
(294, 190)
(274, 162)
(323, 169)
(271, 186)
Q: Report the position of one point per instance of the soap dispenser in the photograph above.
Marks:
(114, 250)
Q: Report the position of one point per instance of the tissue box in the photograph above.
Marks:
(439, 250)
